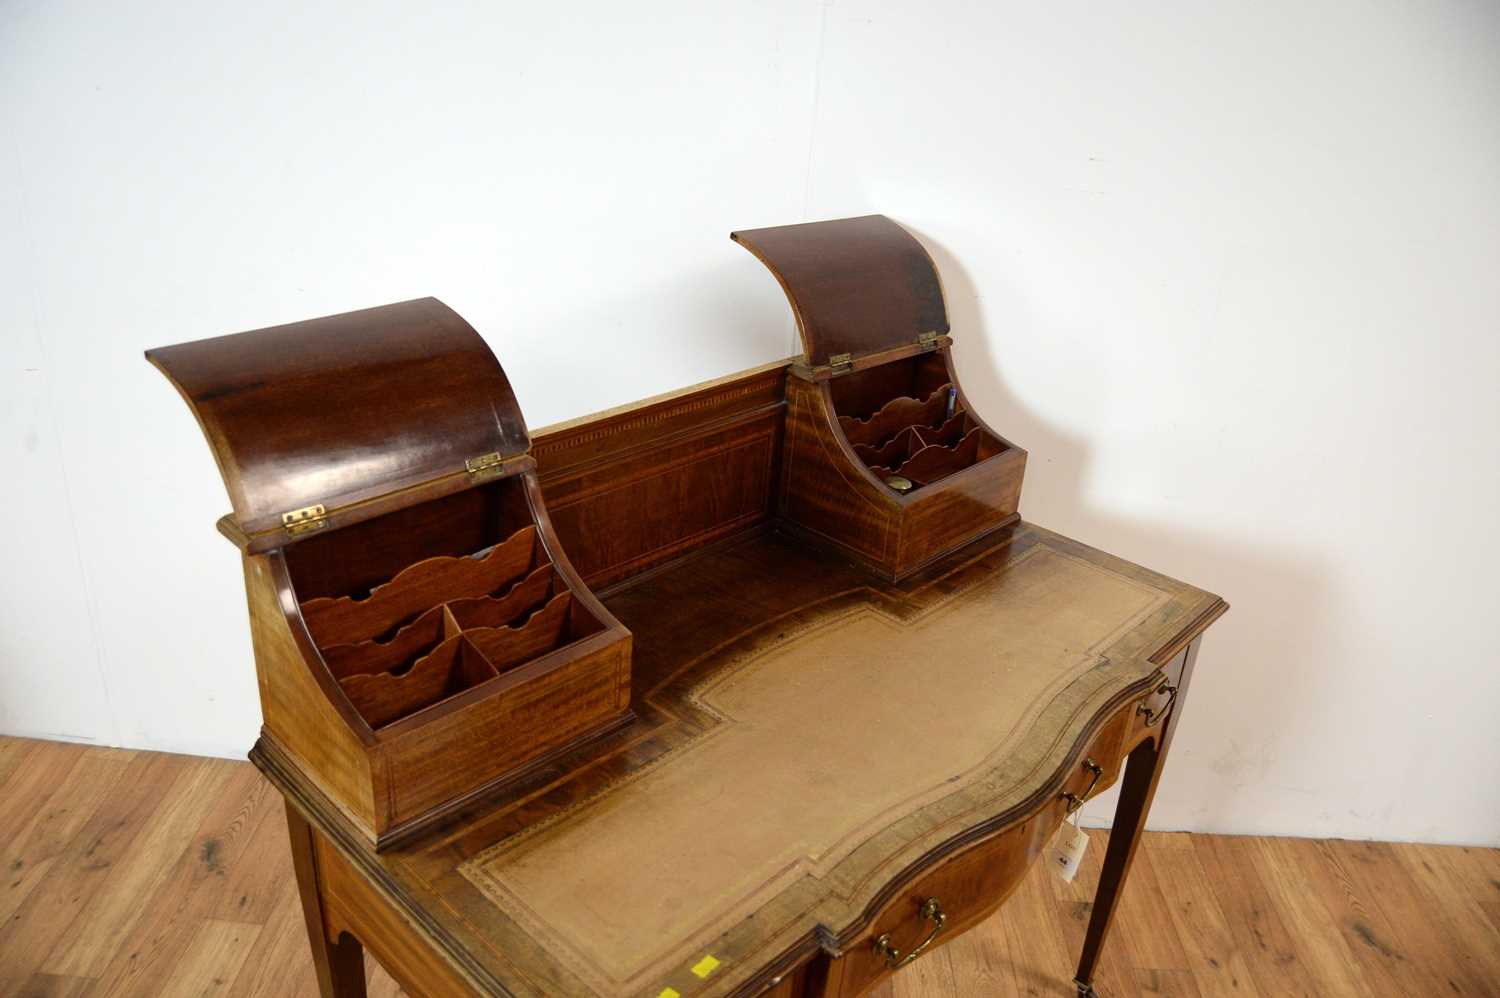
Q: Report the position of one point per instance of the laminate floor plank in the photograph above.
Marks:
(1478, 872)
(38, 778)
(378, 984)
(194, 889)
(1445, 873)
(1167, 983)
(212, 960)
(1213, 956)
(79, 876)
(1492, 911)
(1428, 924)
(980, 958)
(1369, 936)
(13, 752)
(1480, 869)
(279, 965)
(27, 856)
(1322, 952)
(1145, 919)
(933, 974)
(252, 882)
(53, 986)
(1260, 935)
(145, 874)
(108, 917)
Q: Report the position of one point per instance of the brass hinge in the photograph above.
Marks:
(840, 363)
(484, 462)
(928, 340)
(300, 521)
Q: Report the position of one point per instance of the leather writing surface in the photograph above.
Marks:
(784, 790)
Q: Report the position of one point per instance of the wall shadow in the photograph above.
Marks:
(1254, 703)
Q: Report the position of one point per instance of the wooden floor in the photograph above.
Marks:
(137, 873)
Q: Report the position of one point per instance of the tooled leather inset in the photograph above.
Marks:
(787, 811)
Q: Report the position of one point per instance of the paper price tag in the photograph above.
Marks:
(1067, 849)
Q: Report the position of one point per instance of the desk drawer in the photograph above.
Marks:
(969, 886)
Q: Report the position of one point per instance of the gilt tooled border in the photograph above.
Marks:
(899, 612)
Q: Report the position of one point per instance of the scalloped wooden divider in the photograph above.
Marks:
(895, 416)
(934, 462)
(454, 665)
(365, 657)
(334, 620)
(505, 647)
(384, 696)
(895, 450)
(950, 433)
(502, 611)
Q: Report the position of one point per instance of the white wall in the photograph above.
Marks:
(1229, 273)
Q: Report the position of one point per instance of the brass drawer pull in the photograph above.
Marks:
(1153, 717)
(1075, 801)
(932, 912)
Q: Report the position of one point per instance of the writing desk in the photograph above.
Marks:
(813, 757)
(761, 687)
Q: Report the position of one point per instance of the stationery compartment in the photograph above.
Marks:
(446, 623)
(466, 656)
(457, 625)
(916, 437)
(882, 458)
(409, 599)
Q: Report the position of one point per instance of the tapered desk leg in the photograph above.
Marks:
(1142, 771)
(340, 966)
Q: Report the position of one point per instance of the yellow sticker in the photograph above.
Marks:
(669, 993)
(705, 966)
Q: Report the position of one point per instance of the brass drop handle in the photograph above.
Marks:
(931, 911)
(1153, 717)
(1075, 801)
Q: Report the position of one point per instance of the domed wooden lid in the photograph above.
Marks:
(858, 286)
(343, 417)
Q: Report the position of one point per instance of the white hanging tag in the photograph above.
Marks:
(1067, 849)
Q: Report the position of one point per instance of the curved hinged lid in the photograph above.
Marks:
(346, 409)
(858, 286)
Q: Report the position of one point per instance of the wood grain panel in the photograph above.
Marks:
(829, 494)
(679, 499)
(630, 491)
(352, 905)
(301, 705)
(490, 735)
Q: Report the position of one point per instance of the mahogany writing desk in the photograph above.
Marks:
(627, 708)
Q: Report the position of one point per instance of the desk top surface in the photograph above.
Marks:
(803, 735)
